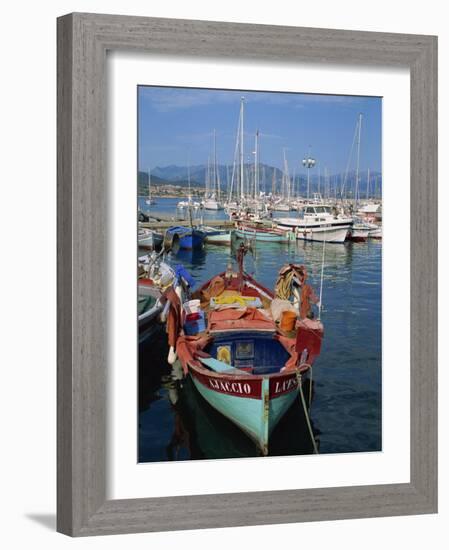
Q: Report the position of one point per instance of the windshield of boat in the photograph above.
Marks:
(317, 210)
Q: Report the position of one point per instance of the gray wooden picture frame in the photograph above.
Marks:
(83, 41)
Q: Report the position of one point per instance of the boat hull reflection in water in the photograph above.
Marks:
(176, 423)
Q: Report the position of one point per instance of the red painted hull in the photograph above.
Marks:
(358, 239)
(248, 387)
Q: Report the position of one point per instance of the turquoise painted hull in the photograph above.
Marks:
(257, 418)
(218, 238)
(262, 236)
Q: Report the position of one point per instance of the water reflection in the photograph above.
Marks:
(189, 428)
(175, 423)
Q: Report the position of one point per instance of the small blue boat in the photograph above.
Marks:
(184, 237)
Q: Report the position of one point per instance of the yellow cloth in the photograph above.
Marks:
(225, 300)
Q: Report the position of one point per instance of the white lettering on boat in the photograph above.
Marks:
(285, 385)
(230, 387)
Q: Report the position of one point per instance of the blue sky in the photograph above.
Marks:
(176, 127)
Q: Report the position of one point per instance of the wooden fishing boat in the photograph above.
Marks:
(241, 362)
(216, 236)
(148, 238)
(260, 233)
(149, 309)
(154, 277)
(184, 237)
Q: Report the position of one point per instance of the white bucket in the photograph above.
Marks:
(193, 306)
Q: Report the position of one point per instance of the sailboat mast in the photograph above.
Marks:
(215, 189)
(207, 177)
(326, 183)
(284, 179)
(358, 163)
(242, 191)
(256, 167)
(367, 186)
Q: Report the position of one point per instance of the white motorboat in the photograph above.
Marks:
(319, 222)
(369, 208)
(282, 207)
(374, 230)
(189, 203)
(212, 204)
(359, 232)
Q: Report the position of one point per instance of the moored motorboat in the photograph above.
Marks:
(282, 207)
(374, 230)
(212, 204)
(370, 211)
(375, 233)
(319, 222)
(240, 359)
(359, 232)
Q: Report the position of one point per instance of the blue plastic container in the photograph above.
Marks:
(195, 326)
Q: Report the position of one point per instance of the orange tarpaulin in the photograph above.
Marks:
(226, 319)
(188, 346)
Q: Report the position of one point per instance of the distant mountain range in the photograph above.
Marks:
(270, 178)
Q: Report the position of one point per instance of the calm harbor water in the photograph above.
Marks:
(175, 423)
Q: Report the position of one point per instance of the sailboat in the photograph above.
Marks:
(187, 238)
(188, 204)
(236, 203)
(212, 201)
(256, 229)
(367, 212)
(360, 230)
(149, 200)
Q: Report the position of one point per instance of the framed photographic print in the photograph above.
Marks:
(273, 359)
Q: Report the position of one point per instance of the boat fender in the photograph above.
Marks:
(172, 356)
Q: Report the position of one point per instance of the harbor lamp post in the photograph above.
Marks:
(308, 163)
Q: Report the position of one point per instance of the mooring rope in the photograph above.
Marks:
(322, 277)
(306, 414)
(310, 388)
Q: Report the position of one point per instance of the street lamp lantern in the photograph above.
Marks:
(308, 162)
